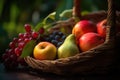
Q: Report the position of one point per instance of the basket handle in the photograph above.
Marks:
(111, 21)
(111, 17)
(76, 9)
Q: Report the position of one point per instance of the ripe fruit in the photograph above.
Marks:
(101, 28)
(68, 48)
(45, 51)
(41, 30)
(82, 27)
(90, 40)
(56, 38)
(11, 55)
(35, 35)
(27, 27)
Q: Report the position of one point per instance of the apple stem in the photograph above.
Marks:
(76, 9)
(111, 21)
(42, 47)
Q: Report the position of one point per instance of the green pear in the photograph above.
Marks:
(68, 48)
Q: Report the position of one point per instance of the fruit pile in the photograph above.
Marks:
(89, 34)
(85, 35)
(49, 46)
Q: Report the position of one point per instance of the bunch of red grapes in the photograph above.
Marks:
(11, 57)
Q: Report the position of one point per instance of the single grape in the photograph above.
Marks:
(63, 37)
(27, 35)
(59, 43)
(21, 35)
(21, 44)
(35, 35)
(54, 42)
(26, 40)
(27, 27)
(10, 51)
(30, 38)
(60, 33)
(18, 51)
(57, 37)
(20, 40)
(15, 40)
(12, 45)
(41, 30)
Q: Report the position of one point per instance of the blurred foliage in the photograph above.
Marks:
(15, 13)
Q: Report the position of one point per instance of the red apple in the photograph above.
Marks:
(82, 27)
(101, 28)
(90, 40)
(45, 51)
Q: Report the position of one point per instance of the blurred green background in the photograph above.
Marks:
(15, 13)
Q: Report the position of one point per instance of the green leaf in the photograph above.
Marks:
(28, 48)
(66, 13)
(50, 16)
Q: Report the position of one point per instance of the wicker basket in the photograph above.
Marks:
(97, 60)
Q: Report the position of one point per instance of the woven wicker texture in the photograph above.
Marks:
(97, 60)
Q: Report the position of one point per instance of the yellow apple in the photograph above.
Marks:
(45, 51)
